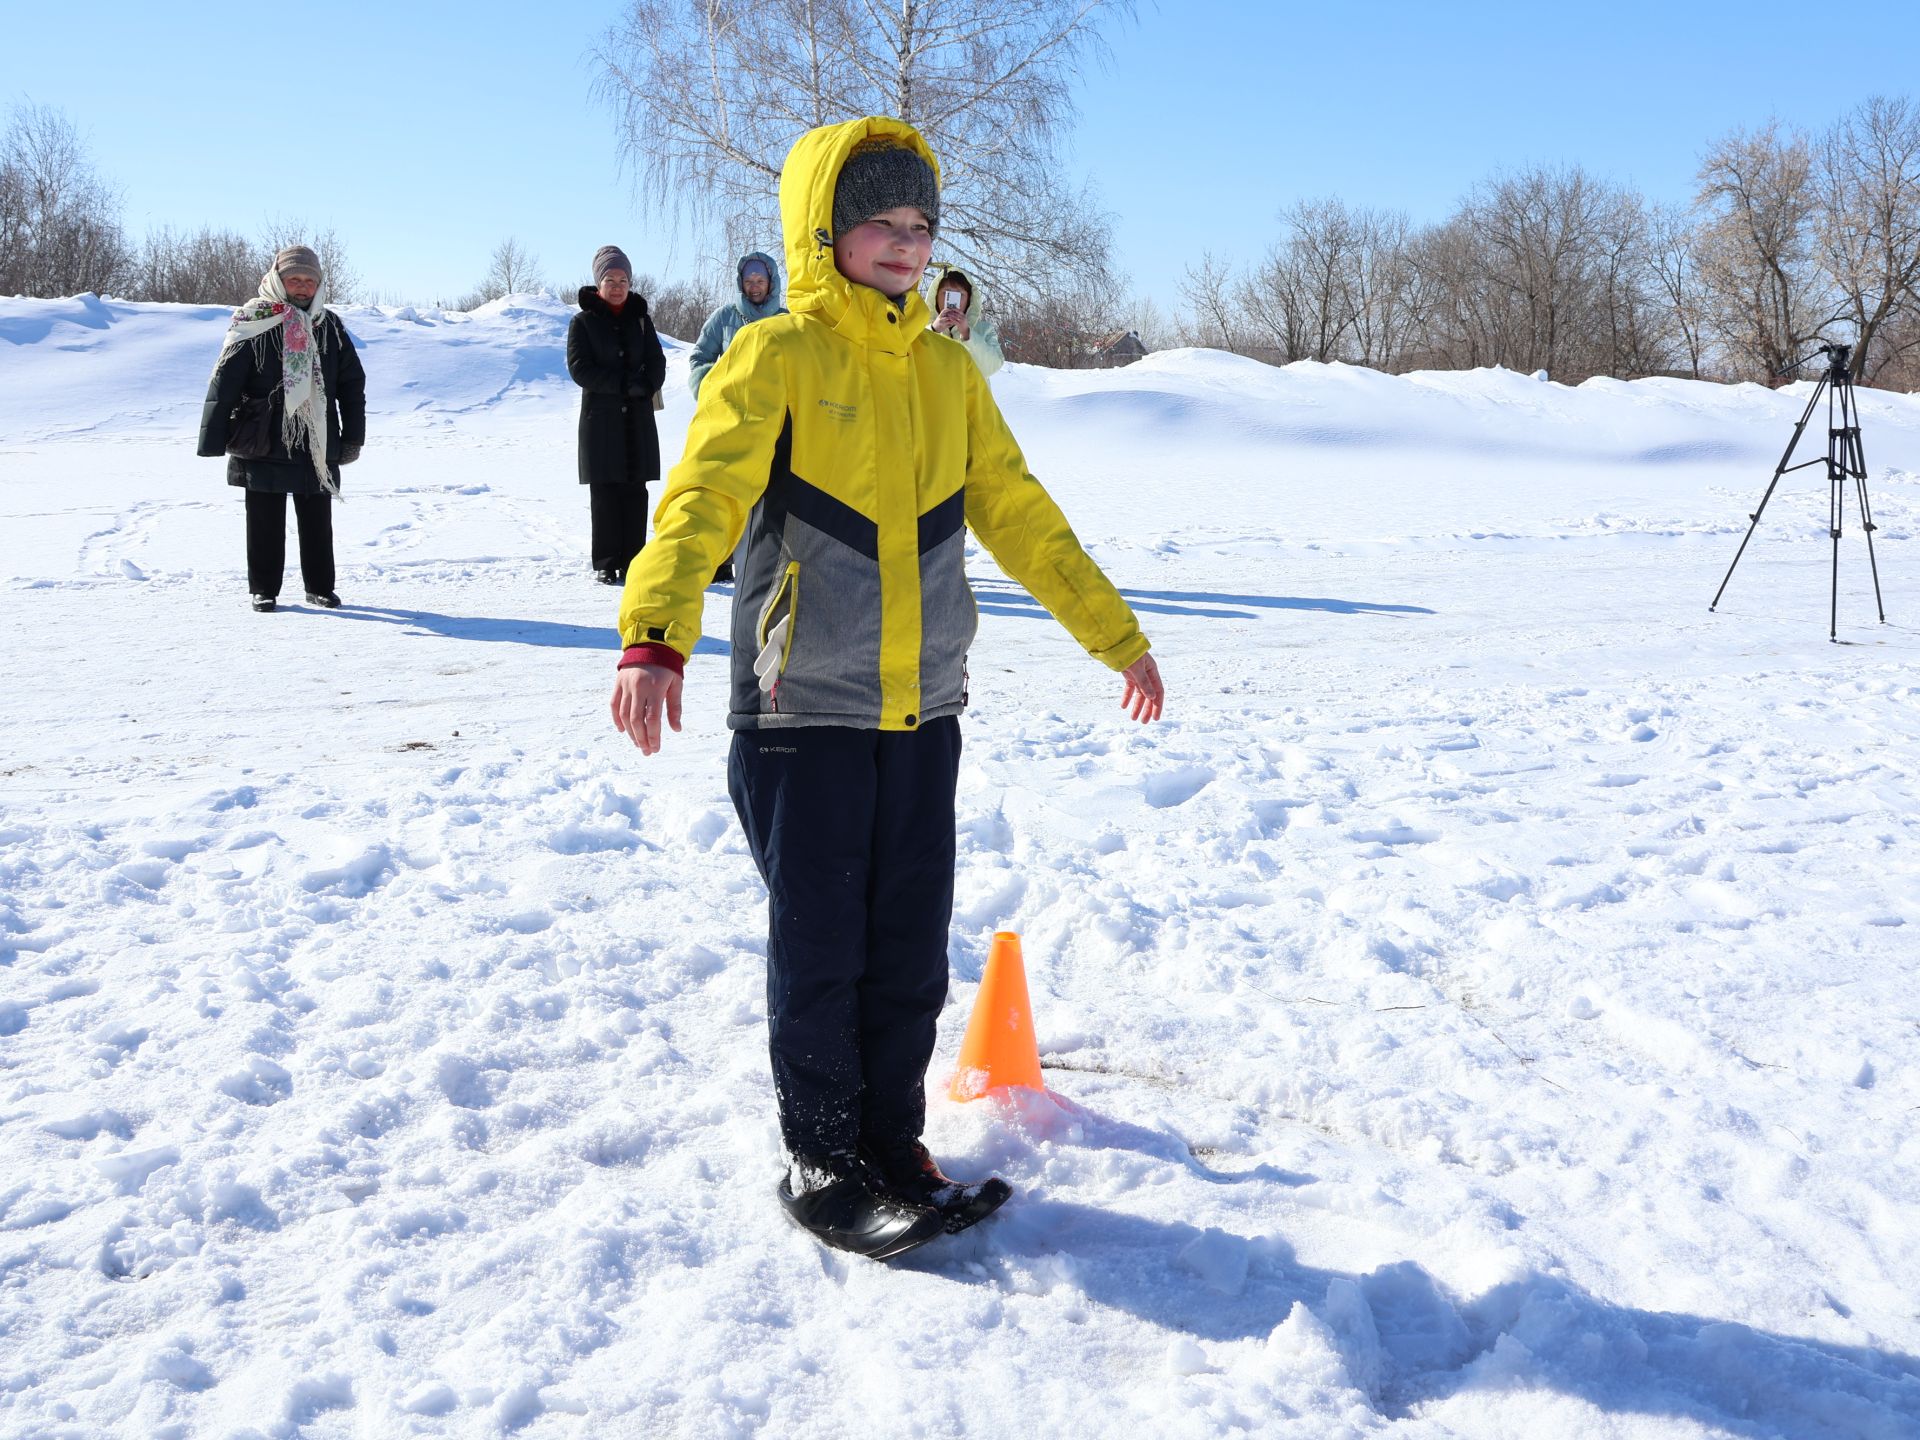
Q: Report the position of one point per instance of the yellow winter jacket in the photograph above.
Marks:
(839, 449)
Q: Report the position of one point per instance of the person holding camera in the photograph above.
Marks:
(957, 315)
(287, 406)
(614, 356)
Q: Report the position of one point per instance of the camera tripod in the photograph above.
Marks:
(1845, 461)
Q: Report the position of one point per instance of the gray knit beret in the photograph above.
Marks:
(297, 260)
(878, 176)
(610, 257)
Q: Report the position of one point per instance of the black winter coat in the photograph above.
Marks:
(254, 369)
(617, 362)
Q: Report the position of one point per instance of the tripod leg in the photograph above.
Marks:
(1778, 471)
(1866, 516)
(1836, 503)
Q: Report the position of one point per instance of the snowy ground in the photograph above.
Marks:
(1485, 1008)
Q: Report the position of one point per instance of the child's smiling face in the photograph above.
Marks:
(888, 252)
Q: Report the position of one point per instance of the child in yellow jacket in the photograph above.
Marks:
(841, 453)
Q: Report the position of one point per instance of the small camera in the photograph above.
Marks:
(953, 300)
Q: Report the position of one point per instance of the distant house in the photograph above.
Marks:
(1122, 347)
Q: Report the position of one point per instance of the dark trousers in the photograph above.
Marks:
(619, 525)
(853, 832)
(267, 541)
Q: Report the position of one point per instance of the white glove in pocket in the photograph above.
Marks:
(766, 665)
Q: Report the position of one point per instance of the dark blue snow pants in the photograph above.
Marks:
(853, 831)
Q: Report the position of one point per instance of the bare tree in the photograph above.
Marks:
(707, 104)
(207, 267)
(1541, 229)
(1321, 261)
(1386, 299)
(1063, 328)
(678, 308)
(1215, 313)
(1468, 321)
(60, 231)
(1676, 271)
(1899, 365)
(511, 270)
(1867, 176)
(1634, 331)
(1755, 249)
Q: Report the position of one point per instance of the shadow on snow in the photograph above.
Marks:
(1001, 597)
(547, 634)
(1407, 1342)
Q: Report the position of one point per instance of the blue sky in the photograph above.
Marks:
(425, 132)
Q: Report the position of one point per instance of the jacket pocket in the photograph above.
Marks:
(773, 632)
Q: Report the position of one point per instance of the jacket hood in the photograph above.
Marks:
(940, 278)
(768, 306)
(814, 284)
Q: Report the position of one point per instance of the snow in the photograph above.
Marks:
(1485, 1007)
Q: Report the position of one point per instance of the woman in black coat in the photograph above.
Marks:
(287, 372)
(615, 358)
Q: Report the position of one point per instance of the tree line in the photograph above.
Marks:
(1791, 237)
(61, 231)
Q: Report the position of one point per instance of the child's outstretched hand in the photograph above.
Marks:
(1143, 695)
(642, 694)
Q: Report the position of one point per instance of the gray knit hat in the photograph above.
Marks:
(297, 260)
(879, 175)
(610, 257)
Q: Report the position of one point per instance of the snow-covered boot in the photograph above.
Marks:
(837, 1200)
(908, 1171)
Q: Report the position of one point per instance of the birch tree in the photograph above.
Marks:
(709, 95)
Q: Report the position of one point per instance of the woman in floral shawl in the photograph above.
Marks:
(288, 406)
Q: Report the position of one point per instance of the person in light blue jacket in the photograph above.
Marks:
(957, 314)
(758, 281)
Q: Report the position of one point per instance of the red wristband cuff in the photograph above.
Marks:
(652, 654)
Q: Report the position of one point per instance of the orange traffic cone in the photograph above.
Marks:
(999, 1049)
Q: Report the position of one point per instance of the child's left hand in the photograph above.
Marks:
(1144, 693)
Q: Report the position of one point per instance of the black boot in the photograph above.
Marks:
(837, 1200)
(325, 599)
(907, 1171)
(264, 604)
(607, 575)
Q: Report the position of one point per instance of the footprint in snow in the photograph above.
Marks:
(1395, 834)
(577, 839)
(1176, 787)
(135, 880)
(261, 1082)
(463, 1082)
(361, 875)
